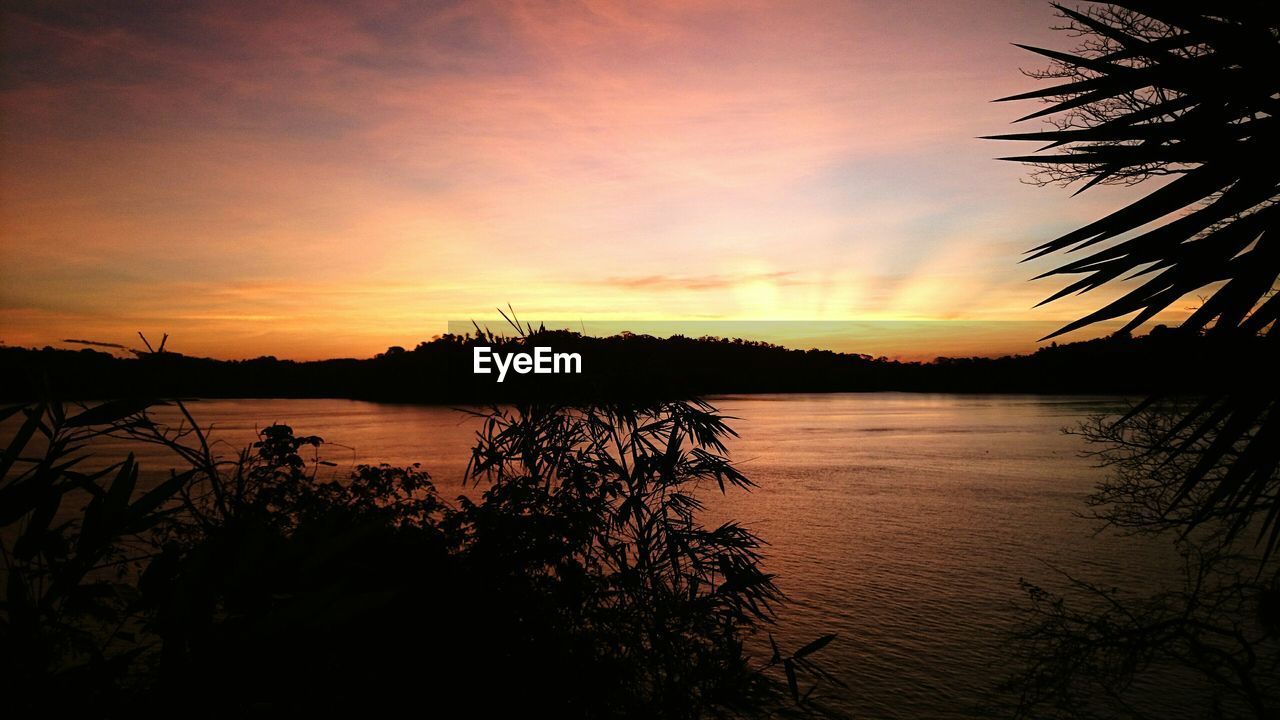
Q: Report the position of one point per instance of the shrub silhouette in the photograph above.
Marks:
(578, 584)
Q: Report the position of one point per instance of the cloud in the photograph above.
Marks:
(284, 177)
(696, 283)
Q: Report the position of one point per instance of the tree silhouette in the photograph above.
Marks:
(1187, 91)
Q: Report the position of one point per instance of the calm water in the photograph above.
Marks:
(902, 522)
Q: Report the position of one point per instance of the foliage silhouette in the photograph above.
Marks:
(1187, 90)
(1180, 89)
(579, 584)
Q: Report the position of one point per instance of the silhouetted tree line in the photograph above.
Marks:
(642, 366)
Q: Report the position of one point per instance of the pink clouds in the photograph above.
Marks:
(365, 171)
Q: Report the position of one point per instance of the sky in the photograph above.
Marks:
(330, 179)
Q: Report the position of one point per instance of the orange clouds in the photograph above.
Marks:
(316, 180)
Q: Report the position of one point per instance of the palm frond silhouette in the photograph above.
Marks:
(1188, 92)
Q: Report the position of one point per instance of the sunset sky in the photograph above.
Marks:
(329, 179)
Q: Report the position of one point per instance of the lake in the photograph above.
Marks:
(901, 522)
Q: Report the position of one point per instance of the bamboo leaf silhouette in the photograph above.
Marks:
(814, 646)
(109, 412)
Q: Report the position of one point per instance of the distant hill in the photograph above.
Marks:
(440, 371)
